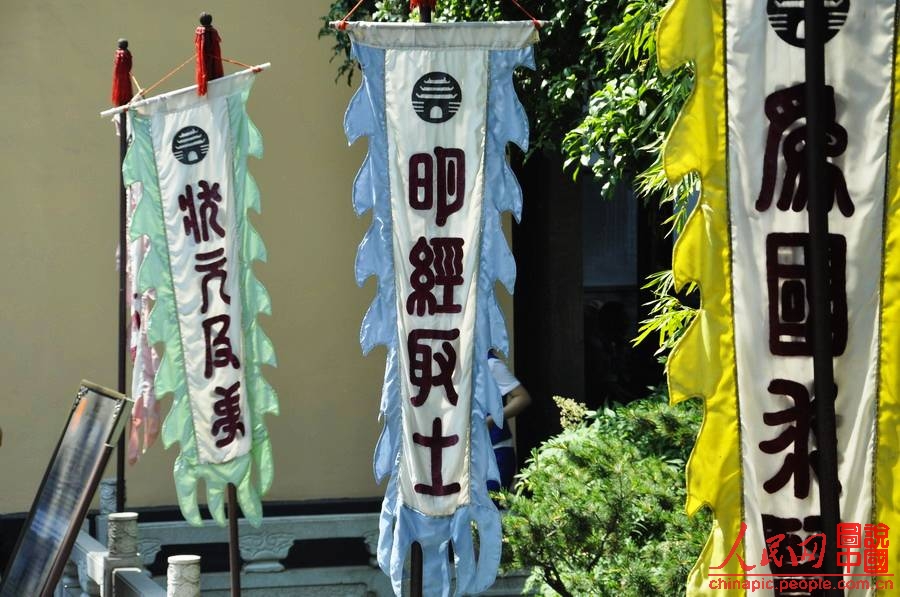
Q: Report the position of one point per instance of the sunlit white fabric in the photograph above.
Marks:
(407, 71)
(760, 64)
(190, 155)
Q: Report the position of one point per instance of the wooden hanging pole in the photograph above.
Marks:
(415, 570)
(123, 306)
(209, 68)
(139, 103)
(819, 291)
(234, 551)
(416, 584)
(425, 8)
(121, 95)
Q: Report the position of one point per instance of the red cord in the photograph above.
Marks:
(342, 24)
(537, 24)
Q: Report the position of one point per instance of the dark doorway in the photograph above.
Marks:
(549, 331)
(581, 262)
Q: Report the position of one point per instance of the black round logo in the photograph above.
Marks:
(787, 19)
(190, 145)
(436, 97)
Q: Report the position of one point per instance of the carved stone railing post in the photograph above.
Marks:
(107, 493)
(121, 542)
(122, 536)
(183, 576)
(107, 496)
(371, 540)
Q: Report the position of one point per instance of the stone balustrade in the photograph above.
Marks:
(119, 568)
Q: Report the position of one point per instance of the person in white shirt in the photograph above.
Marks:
(516, 399)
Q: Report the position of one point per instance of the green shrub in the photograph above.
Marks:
(599, 508)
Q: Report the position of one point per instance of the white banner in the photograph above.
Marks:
(193, 155)
(438, 106)
(436, 132)
(769, 226)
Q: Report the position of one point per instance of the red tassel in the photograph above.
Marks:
(209, 53)
(430, 3)
(122, 91)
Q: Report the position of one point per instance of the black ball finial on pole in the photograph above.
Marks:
(208, 52)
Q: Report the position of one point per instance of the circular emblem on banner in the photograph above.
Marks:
(436, 97)
(190, 145)
(787, 19)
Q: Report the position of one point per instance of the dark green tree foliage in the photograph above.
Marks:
(568, 68)
(599, 509)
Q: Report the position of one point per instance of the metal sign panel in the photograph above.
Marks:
(93, 426)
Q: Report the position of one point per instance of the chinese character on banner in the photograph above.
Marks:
(746, 245)
(189, 155)
(440, 192)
